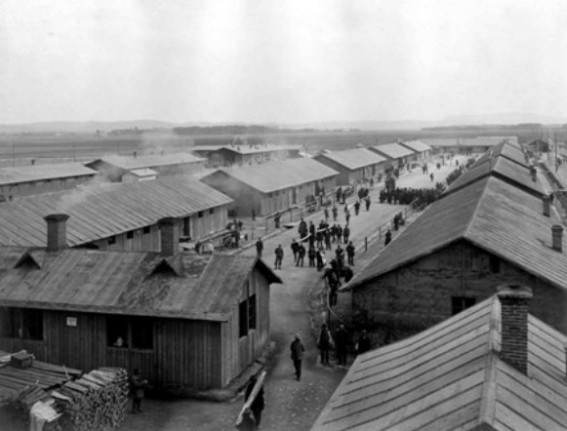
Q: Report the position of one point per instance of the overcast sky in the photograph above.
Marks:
(280, 61)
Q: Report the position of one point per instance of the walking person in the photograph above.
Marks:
(335, 213)
(279, 257)
(259, 248)
(350, 250)
(258, 403)
(300, 255)
(341, 344)
(325, 344)
(294, 249)
(311, 254)
(356, 207)
(297, 350)
(388, 237)
(137, 386)
(347, 216)
(346, 234)
(326, 212)
(367, 199)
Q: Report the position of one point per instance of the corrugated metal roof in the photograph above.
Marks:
(450, 377)
(187, 285)
(23, 174)
(417, 146)
(502, 168)
(491, 214)
(273, 176)
(151, 161)
(354, 159)
(393, 151)
(101, 212)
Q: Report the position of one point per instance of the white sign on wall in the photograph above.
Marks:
(71, 321)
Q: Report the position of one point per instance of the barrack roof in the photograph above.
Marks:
(26, 174)
(353, 159)
(393, 151)
(450, 377)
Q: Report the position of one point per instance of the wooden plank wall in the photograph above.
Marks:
(43, 186)
(185, 352)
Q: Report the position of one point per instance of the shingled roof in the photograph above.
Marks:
(392, 151)
(273, 176)
(26, 174)
(354, 159)
(187, 285)
(100, 212)
(491, 214)
(450, 377)
(503, 168)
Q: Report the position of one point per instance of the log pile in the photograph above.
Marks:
(96, 401)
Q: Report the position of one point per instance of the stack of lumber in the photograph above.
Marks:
(21, 404)
(96, 401)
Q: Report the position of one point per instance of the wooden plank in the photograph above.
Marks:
(252, 396)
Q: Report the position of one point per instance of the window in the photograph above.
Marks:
(200, 214)
(142, 332)
(134, 332)
(130, 235)
(252, 312)
(23, 323)
(494, 264)
(212, 211)
(117, 331)
(112, 240)
(270, 195)
(460, 303)
(243, 319)
(146, 230)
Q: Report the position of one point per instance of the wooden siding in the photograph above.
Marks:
(418, 295)
(239, 353)
(186, 352)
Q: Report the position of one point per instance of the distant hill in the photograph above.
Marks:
(503, 118)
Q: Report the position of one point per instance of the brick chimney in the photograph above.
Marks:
(546, 206)
(169, 232)
(514, 300)
(56, 231)
(557, 237)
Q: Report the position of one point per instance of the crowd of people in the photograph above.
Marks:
(408, 195)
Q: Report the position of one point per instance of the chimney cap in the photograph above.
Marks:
(56, 217)
(516, 291)
(165, 221)
(557, 228)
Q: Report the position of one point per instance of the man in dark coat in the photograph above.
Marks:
(294, 249)
(302, 229)
(311, 254)
(335, 213)
(367, 199)
(325, 344)
(388, 237)
(258, 404)
(297, 350)
(259, 247)
(356, 207)
(300, 255)
(346, 234)
(137, 386)
(363, 344)
(341, 344)
(350, 253)
(279, 257)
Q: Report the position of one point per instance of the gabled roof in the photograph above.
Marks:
(187, 285)
(273, 176)
(393, 151)
(24, 174)
(480, 141)
(491, 214)
(504, 169)
(149, 161)
(450, 377)
(100, 212)
(260, 148)
(510, 151)
(353, 159)
(417, 146)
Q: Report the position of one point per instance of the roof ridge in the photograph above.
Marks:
(473, 214)
(488, 394)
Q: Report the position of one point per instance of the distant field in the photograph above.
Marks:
(89, 146)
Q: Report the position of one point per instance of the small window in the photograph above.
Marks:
(212, 211)
(270, 195)
(200, 214)
(460, 303)
(130, 235)
(117, 331)
(142, 333)
(24, 324)
(112, 240)
(243, 319)
(146, 230)
(494, 263)
(252, 312)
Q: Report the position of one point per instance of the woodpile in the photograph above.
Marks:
(96, 401)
